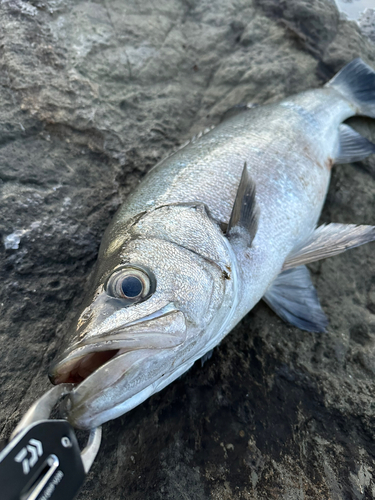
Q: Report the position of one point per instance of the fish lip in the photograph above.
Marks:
(151, 340)
(78, 352)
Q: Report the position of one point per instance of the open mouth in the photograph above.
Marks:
(84, 367)
(85, 358)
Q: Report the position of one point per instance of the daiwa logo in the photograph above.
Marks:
(29, 455)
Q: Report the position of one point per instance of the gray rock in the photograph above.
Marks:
(92, 95)
(367, 23)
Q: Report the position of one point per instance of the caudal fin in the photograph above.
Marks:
(356, 82)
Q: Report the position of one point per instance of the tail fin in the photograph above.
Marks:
(356, 82)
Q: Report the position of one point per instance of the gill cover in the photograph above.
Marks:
(120, 351)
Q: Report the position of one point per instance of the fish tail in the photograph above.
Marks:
(356, 82)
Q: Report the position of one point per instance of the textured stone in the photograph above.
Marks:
(92, 95)
(367, 23)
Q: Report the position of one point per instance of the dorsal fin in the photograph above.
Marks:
(326, 241)
(243, 222)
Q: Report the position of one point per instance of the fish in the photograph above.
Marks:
(224, 222)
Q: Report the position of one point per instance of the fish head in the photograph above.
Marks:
(161, 283)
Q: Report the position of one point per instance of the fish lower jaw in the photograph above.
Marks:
(87, 414)
(80, 418)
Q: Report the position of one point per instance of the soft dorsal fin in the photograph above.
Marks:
(243, 222)
(352, 146)
(326, 241)
(293, 297)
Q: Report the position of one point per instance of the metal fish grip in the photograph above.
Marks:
(43, 460)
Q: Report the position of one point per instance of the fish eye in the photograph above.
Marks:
(131, 283)
(131, 287)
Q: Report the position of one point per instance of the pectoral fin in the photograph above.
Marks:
(352, 146)
(326, 241)
(293, 297)
(243, 222)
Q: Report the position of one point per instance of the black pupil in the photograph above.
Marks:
(131, 286)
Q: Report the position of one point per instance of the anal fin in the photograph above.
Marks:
(292, 296)
(352, 146)
(206, 357)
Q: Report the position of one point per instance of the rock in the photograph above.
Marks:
(92, 95)
(367, 23)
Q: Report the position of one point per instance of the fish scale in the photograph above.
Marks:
(209, 169)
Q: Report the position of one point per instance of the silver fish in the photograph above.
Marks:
(222, 223)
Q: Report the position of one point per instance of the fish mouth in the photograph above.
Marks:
(85, 358)
(76, 370)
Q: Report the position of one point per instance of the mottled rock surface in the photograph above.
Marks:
(367, 23)
(92, 95)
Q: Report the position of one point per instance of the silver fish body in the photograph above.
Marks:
(173, 230)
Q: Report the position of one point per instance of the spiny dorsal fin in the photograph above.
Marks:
(293, 297)
(352, 146)
(243, 222)
(326, 241)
